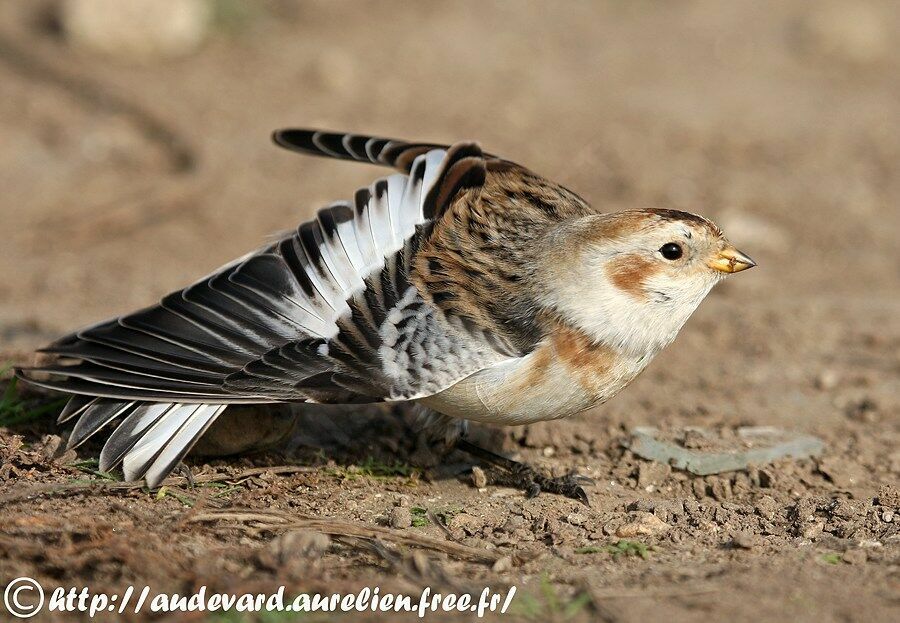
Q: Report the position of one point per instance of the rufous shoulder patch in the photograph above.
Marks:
(586, 361)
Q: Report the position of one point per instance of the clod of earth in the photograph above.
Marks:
(718, 453)
(642, 524)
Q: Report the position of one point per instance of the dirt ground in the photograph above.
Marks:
(778, 119)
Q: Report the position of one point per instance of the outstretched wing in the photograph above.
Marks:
(325, 314)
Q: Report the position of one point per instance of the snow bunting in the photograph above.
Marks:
(464, 282)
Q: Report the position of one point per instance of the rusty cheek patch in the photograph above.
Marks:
(587, 362)
(630, 273)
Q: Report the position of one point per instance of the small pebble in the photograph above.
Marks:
(52, 444)
(856, 33)
(827, 379)
(401, 517)
(479, 478)
(854, 556)
(644, 524)
(887, 516)
(136, 30)
(813, 530)
(576, 519)
(502, 565)
(744, 540)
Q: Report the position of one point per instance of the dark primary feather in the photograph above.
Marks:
(390, 152)
(375, 150)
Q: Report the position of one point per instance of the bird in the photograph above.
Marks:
(462, 282)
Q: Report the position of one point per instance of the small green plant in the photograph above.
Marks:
(233, 16)
(832, 558)
(91, 466)
(15, 410)
(628, 548)
(549, 606)
(162, 492)
(446, 514)
(376, 469)
(619, 548)
(373, 468)
(590, 549)
(224, 490)
(419, 516)
(275, 616)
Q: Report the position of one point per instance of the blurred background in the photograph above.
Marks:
(135, 157)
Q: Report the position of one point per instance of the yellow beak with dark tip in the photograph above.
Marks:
(730, 260)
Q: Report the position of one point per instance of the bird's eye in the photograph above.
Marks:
(671, 250)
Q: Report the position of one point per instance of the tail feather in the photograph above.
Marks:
(95, 417)
(181, 443)
(138, 460)
(76, 405)
(130, 431)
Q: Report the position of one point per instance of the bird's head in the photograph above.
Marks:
(631, 279)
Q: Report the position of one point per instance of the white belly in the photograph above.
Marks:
(544, 385)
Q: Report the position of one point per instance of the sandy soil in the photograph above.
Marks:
(778, 119)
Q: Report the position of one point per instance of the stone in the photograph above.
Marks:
(813, 530)
(855, 556)
(698, 486)
(513, 523)
(642, 524)
(827, 379)
(50, 445)
(754, 445)
(744, 540)
(850, 31)
(847, 509)
(479, 478)
(576, 519)
(720, 488)
(401, 517)
(136, 30)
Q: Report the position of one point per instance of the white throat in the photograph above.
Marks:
(640, 326)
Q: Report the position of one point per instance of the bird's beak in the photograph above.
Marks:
(730, 260)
